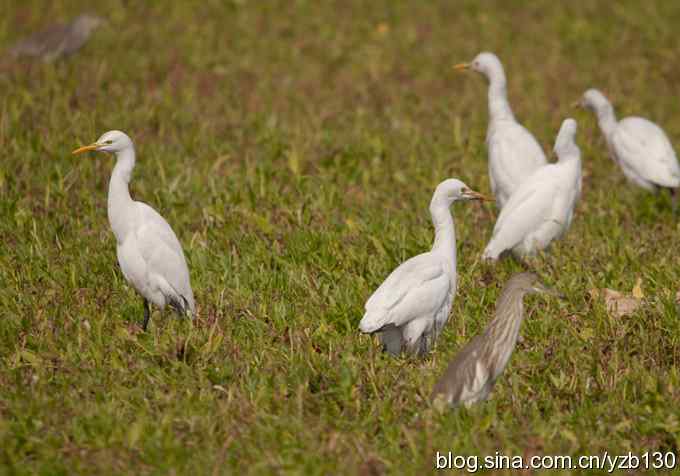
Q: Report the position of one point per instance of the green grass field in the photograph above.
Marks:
(294, 147)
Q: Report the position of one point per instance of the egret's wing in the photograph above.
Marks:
(160, 228)
(643, 147)
(417, 287)
(409, 274)
(528, 207)
(514, 154)
(162, 251)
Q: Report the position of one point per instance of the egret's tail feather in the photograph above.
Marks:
(371, 323)
(180, 306)
(490, 254)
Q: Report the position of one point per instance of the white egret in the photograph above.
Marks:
(149, 254)
(638, 146)
(541, 209)
(472, 373)
(513, 152)
(410, 308)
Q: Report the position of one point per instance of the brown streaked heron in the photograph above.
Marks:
(58, 40)
(472, 373)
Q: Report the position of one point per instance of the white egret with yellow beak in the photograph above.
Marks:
(640, 147)
(411, 307)
(514, 153)
(149, 253)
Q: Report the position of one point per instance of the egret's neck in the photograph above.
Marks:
(444, 232)
(606, 118)
(499, 107)
(568, 153)
(120, 204)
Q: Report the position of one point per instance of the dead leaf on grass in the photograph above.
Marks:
(617, 303)
(637, 289)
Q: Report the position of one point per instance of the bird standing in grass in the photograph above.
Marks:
(58, 40)
(638, 146)
(541, 209)
(472, 373)
(410, 308)
(514, 153)
(149, 253)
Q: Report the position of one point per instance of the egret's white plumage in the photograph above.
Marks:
(412, 305)
(513, 152)
(149, 253)
(541, 209)
(637, 145)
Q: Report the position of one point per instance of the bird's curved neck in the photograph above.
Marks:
(444, 231)
(606, 117)
(502, 333)
(120, 204)
(568, 153)
(499, 107)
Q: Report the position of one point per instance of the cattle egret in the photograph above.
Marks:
(638, 146)
(149, 253)
(410, 308)
(514, 153)
(472, 373)
(542, 208)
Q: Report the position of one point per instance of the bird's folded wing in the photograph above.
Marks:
(417, 287)
(643, 147)
(463, 376)
(157, 228)
(528, 207)
(162, 251)
(515, 154)
(38, 43)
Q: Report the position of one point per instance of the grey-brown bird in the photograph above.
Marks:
(58, 40)
(472, 373)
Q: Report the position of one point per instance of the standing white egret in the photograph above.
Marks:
(638, 146)
(149, 253)
(412, 305)
(541, 209)
(514, 153)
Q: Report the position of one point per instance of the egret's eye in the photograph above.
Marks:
(108, 142)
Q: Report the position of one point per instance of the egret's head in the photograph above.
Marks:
(452, 190)
(593, 99)
(486, 63)
(529, 283)
(112, 141)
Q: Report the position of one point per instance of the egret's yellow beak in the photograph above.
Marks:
(462, 66)
(472, 195)
(86, 148)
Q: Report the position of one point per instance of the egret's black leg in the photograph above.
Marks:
(147, 314)
(674, 199)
